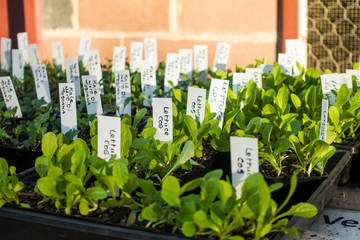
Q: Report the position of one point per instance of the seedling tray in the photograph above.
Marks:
(321, 196)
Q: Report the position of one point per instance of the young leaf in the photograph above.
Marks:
(49, 144)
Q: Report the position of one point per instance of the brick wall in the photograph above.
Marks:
(248, 25)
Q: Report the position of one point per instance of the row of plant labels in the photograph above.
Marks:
(29, 53)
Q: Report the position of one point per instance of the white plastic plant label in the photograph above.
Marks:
(201, 61)
(196, 100)
(162, 118)
(73, 75)
(109, 137)
(123, 92)
(217, 98)
(244, 160)
(266, 68)
(150, 47)
(324, 119)
(57, 54)
(67, 107)
(356, 73)
(255, 74)
(330, 82)
(119, 59)
(172, 70)
(221, 56)
(84, 46)
(92, 95)
(296, 50)
(17, 64)
(285, 63)
(136, 56)
(186, 62)
(9, 95)
(41, 82)
(5, 54)
(33, 55)
(94, 64)
(240, 80)
(345, 78)
(22, 40)
(148, 81)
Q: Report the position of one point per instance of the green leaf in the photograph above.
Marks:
(188, 228)
(170, 191)
(126, 140)
(47, 186)
(77, 162)
(148, 133)
(202, 221)
(191, 125)
(334, 115)
(189, 186)
(84, 207)
(42, 165)
(305, 210)
(296, 101)
(4, 169)
(282, 145)
(49, 144)
(121, 172)
(138, 116)
(281, 100)
(268, 111)
(95, 193)
(186, 153)
(343, 96)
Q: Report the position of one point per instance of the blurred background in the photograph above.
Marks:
(253, 28)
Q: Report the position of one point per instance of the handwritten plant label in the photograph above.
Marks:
(94, 64)
(5, 54)
(119, 58)
(41, 82)
(57, 53)
(172, 70)
(73, 75)
(83, 48)
(92, 95)
(296, 50)
(148, 81)
(136, 56)
(244, 160)
(33, 55)
(266, 68)
(123, 92)
(162, 118)
(67, 107)
(255, 74)
(330, 82)
(221, 56)
(196, 103)
(150, 46)
(9, 95)
(324, 119)
(285, 63)
(356, 73)
(201, 60)
(240, 80)
(22, 40)
(17, 64)
(186, 62)
(109, 137)
(217, 98)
